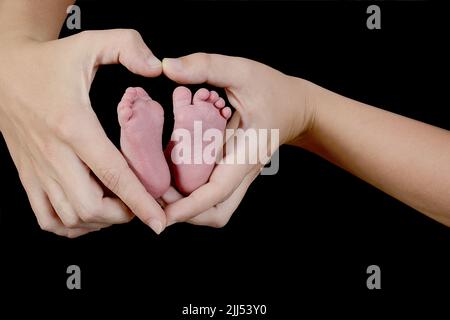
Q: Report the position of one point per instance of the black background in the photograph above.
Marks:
(301, 240)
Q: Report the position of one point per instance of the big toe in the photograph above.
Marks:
(182, 96)
(141, 93)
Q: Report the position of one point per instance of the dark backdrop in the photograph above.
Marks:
(301, 240)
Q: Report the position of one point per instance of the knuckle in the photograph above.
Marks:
(131, 35)
(74, 234)
(219, 217)
(127, 218)
(112, 177)
(66, 128)
(71, 222)
(218, 222)
(90, 211)
(47, 225)
(61, 207)
(83, 36)
(246, 67)
(205, 59)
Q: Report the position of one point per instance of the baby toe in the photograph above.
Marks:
(220, 103)
(226, 112)
(213, 97)
(201, 95)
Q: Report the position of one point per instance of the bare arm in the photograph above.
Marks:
(39, 20)
(407, 159)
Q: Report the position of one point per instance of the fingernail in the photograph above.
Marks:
(156, 225)
(174, 64)
(154, 62)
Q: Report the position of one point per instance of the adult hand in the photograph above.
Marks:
(264, 98)
(55, 138)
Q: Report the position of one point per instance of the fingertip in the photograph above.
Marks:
(172, 64)
(184, 70)
(154, 62)
(154, 66)
(173, 69)
(156, 225)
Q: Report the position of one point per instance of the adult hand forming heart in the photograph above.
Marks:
(55, 138)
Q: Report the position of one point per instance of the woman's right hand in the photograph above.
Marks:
(55, 139)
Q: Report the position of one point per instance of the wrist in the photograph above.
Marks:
(304, 111)
(324, 109)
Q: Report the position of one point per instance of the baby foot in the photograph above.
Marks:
(141, 120)
(208, 108)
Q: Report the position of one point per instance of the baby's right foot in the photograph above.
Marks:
(141, 120)
(208, 108)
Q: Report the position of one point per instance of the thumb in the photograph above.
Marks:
(124, 46)
(215, 69)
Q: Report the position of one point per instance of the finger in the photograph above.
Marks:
(235, 121)
(46, 217)
(124, 46)
(226, 177)
(222, 183)
(66, 171)
(171, 196)
(219, 215)
(61, 205)
(86, 196)
(65, 210)
(218, 70)
(102, 157)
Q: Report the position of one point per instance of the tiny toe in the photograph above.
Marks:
(182, 96)
(213, 96)
(127, 99)
(142, 93)
(124, 115)
(131, 90)
(130, 95)
(121, 105)
(220, 103)
(201, 95)
(226, 112)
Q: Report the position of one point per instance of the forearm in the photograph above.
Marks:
(39, 20)
(407, 159)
